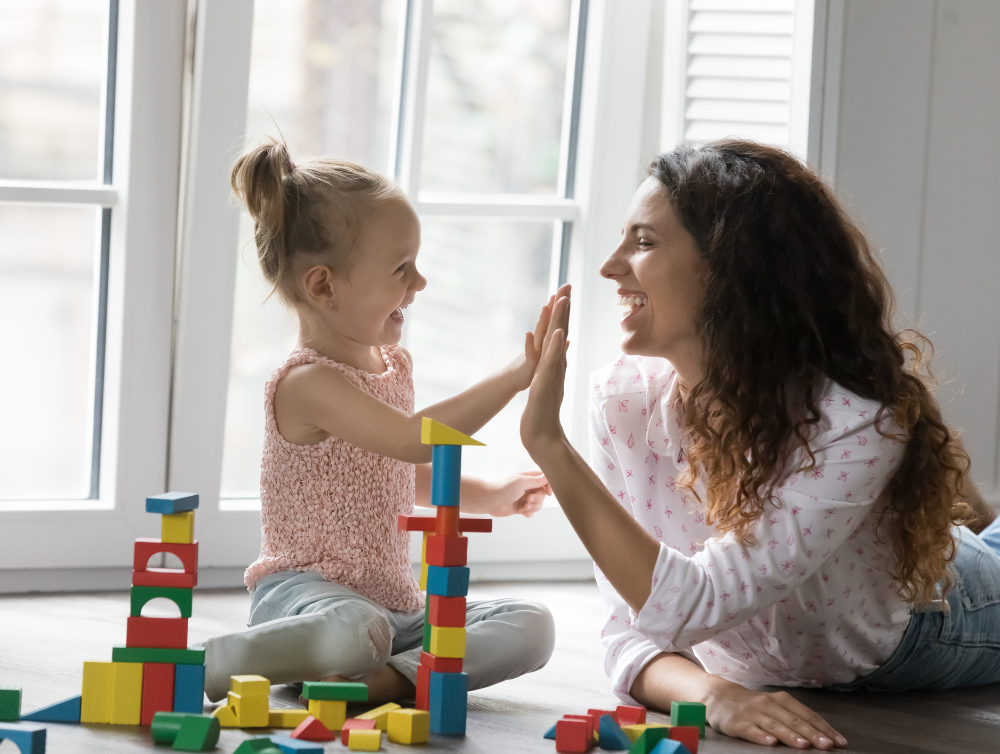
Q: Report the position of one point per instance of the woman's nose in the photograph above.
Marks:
(615, 265)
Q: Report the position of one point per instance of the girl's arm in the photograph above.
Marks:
(519, 493)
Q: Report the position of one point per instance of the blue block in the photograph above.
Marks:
(189, 688)
(446, 474)
(448, 581)
(612, 737)
(29, 739)
(289, 745)
(669, 746)
(448, 701)
(172, 502)
(66, 711)
(551, 733)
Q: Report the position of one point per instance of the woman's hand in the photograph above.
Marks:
(521, 493)
(540, 422)
(523, 368)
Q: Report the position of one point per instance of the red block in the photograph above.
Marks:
(441, 664)
(423, 687)
(158, 633)
(354, 724)
(476, 525)
(447, 521)
(630, 715)
(170, 577)
(417, 523)
(146, 548)
(573, 736)
(312, 729)
(447, 551)
(158, 690)
(687, 735)
(446, 611)
(430, 523)
(597, 713)
(586, 718)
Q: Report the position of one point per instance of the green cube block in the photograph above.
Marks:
(10, 705)
(646, 742)
(688, 713)
(337, 692)
(143, 594)
(197, 733)
(152, 654)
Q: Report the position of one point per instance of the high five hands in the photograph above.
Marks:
(540, 422)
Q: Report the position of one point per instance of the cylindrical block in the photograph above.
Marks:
(448, 521)
(446, 474)
(166, 726)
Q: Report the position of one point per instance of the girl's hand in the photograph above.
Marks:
(540, 423)
(519, 493)
(523, 368)
(766, 718)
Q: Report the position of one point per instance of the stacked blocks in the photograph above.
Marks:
(328, 701)
(246, 705)
(184, 731)
(442, 687)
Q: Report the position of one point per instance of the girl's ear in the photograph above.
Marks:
(318, 287)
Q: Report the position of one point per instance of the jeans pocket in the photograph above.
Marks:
(978, 570)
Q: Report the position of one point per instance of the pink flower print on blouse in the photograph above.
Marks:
(631, 441)
(862, 440)
(623, 406)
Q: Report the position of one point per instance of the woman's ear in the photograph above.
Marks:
(318, 287)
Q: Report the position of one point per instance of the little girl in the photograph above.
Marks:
(333, 593)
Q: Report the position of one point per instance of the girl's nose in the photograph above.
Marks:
(419, 283)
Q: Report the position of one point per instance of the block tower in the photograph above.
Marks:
(154, 671)
(442, 687)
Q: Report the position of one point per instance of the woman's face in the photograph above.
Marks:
(658, 272)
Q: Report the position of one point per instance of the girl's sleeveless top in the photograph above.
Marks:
(333, 507)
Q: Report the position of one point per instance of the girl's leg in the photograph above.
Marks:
(304, 628)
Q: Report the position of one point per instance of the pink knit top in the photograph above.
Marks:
(332, 507)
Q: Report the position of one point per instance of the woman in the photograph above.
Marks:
(773, 491)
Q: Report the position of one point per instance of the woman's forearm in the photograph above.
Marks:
(671, 678)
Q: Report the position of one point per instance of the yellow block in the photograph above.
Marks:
(227, 717)
(286, 718)
(364, 740)
(98, 682)
(435, 433)
(409, 726)
(332, 714)
(447, 641)
(423, 564)
(177, 528)
(251, 711)
(380, 715)
(126, 693)
(634, 731)
(250, 685)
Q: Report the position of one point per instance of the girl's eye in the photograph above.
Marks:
(401, 267)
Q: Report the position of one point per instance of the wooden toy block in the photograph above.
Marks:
(476, 525)
(126, 693)
(447, 551)
(448, 522)
(435, 433)
(157, 690)
(178, 527)
(426, 644)
(666, 746)
(409, 726)
(610, 735)
(226, 715)
(289, 745)
(446, 475)
(197, 733)
(416, 523)
(573, 736)
(634, 731)
(423, 562)
(448, 703)
(448, 581)
(250, 685)
(687, 735)
(172, 502)
(147, 547)
(189, 688)
(335, 692)
(422, 701)
(591, 723)
(29, 739)
(447, 642)
(364, 740)
(355, 723)
(66, 711)
(166, 726)
(257, 746)
(380, 715)
(441, 664)
(286, 718)
(251, 711)
(312, 729)
(650, 737)
(156, 654)
(330, 712)
(550, 734)
(597, 714)
(688, 713)
(446, 611)
(10, 705)
(95, 702)
(140, 595)
(467, 524)
(156, 633)
(168, 577)
(627, 714)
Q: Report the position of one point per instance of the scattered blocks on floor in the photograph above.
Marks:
(448, 698)
(338, 692)
(157, 690)
(172, 502)
(30, 739)
(688, 713)
(257, 746)
(687, 735)
(649, 739)
(364, 740)
(409, 726)
(312, 729)
(627, 714)
(447, 642)
(10, 705)
(98, 681)
(226, 716)
(289, 745)
(330, 712)
(668, 746)
(66, 711)
(380, 715)
(251, 711)
(597, 714)
(186, 732)
(448, 581)
(573, 736)
(286, 718)
(177, 527)
(610, 735)
(356, 723)
(189, 688)
(550, 734)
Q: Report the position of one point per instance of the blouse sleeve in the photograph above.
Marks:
(725, 584)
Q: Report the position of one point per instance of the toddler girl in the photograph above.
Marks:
(333, 593)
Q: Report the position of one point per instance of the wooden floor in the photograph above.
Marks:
(45, 639)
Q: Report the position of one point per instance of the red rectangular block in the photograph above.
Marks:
(447, 551)
(573, 736)
(354, 724)
(447, 521)
(145, 548)
(441, 664)
(476, 525)
(158, 690)
(423, 687)
(598, 713)
(156, 633)
(586, 718)
(446, 611)
(169, 577)
(417, 523)
(630, 715)
(452, 524)
(687, 735)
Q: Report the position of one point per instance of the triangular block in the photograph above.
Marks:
(66, 711)
(257, 746)
(226, 716)
(551, 733)
(610, 736)
(312, 729)
(435, 433)
(666, 746)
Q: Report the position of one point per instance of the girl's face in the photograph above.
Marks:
(660, 287)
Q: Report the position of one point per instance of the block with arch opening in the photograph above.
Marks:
(143, 594)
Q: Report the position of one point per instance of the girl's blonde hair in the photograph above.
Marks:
(313, 212)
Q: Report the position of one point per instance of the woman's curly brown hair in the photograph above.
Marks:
(795, 295)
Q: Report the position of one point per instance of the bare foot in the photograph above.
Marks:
(384, 685)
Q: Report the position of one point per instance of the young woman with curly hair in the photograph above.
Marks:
(773, 496)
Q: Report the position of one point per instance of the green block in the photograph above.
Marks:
(427, 626)
(337, 692)
(166, 726)
(10, 705)
(257, 746)
(688, 713)
(197, 733)
(650, 737)
(143, 594)
(150, 654)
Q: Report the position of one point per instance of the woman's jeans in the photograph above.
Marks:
(959, 646)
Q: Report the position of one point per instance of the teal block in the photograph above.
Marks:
(688, 713)
(66, 711)
(289, 745)
(551, 733)
(189, 688)
(30, 739)
(448, 581)
(669, 746)
(446, 474)
(448, 703)
(172, 502)
(10, 705)
(611, 736)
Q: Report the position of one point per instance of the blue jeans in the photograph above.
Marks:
(960, 646)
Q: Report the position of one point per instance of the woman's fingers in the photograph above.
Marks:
(798, 717)
(754, 734)
(782, 732)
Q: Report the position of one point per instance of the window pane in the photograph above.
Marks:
(53, 62)
(472, 317)
(495, 96)
(47, 297)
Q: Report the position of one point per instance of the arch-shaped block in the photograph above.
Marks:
(30, 739)
(145, 548)
(143, 594)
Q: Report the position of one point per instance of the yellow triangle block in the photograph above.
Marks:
(435, 433)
